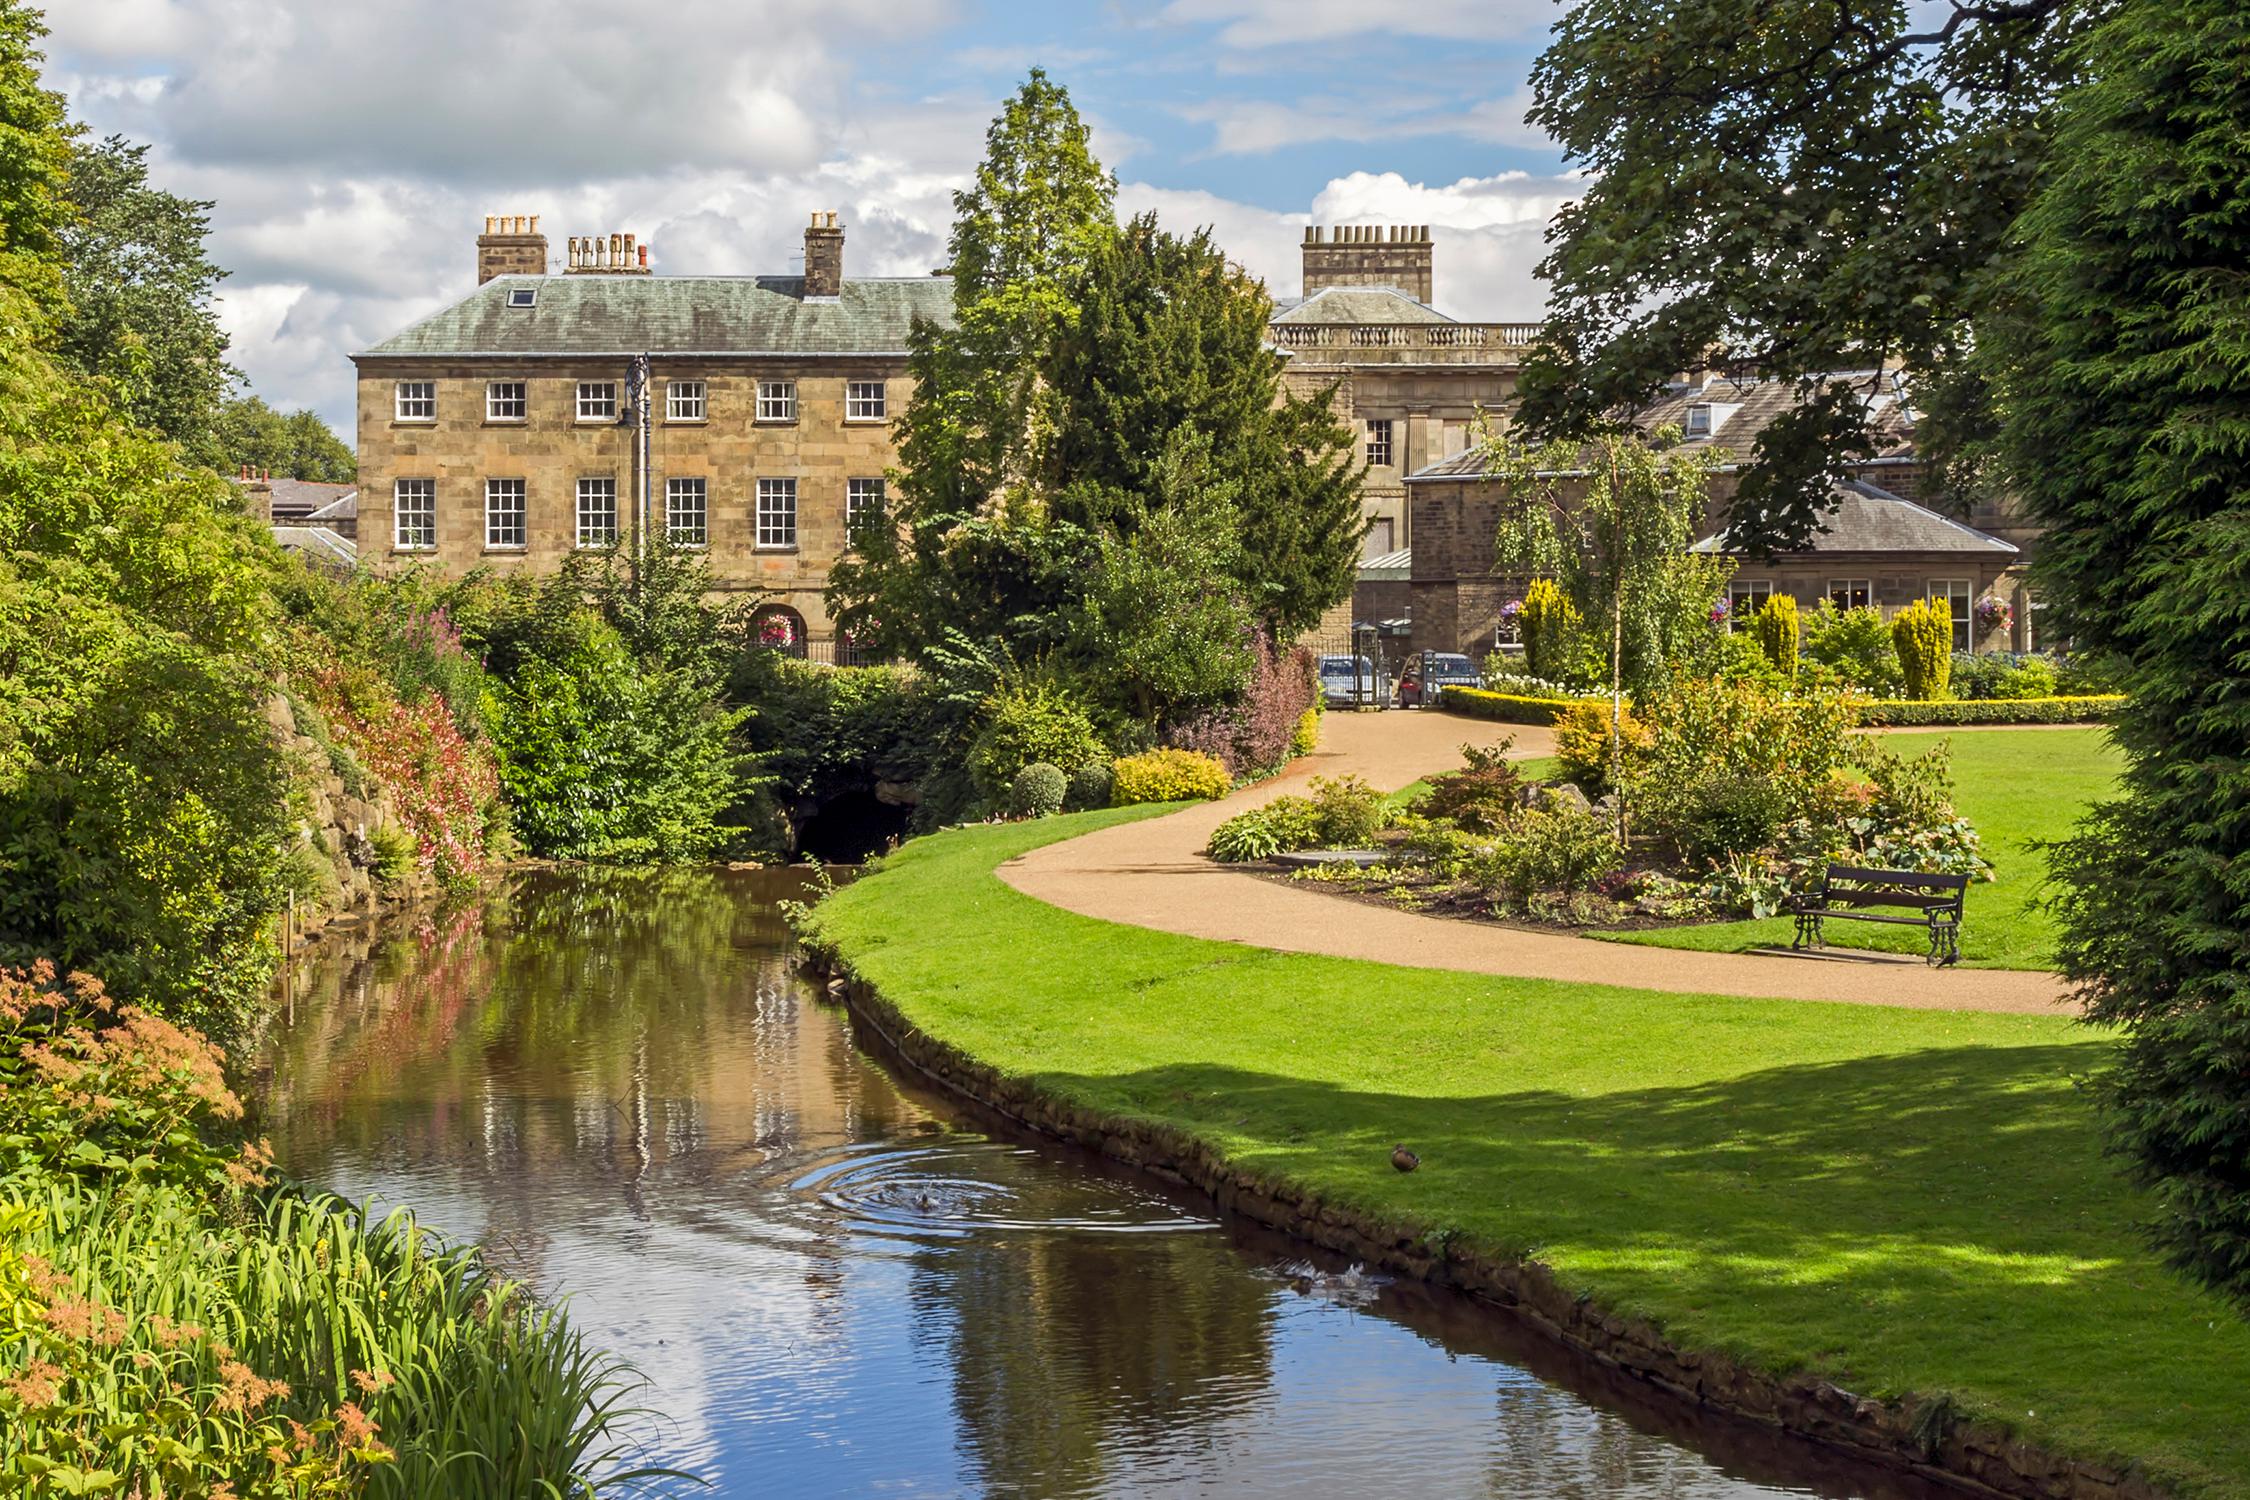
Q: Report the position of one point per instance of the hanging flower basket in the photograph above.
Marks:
(1994, 613)
(777, 631)
(1720, 609)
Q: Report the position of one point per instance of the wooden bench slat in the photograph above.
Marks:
(1907, 878)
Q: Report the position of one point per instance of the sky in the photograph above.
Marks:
(353, 147)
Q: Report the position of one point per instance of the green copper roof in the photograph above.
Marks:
(676, 315)
(1358, 304)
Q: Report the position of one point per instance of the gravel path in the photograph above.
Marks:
(1152, 874)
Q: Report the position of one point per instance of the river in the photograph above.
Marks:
(836, 1284)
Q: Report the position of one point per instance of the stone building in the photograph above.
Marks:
(1411, 381)
(1880, 546)
(749, 416)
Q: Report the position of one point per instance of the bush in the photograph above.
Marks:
(1728, 761)
(1908, 713)
(1167, 776)
(1257, 733)
(1551, 627)
(1028, 723)
(1923, 634)
(1856, 645)
(1499, 679)
(2002, 675)
(1351, 812)
(1776, 630)
(1306, 737)
(1088, 787)
(1561, 850)
(1504, 708)
(1038, 791)
(1483, 797)
(1281, 826)
(1582, 743)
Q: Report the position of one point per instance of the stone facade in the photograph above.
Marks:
(511, 246)
(1394, 255)
(839, 346)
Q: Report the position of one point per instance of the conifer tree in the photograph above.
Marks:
(2126, 390)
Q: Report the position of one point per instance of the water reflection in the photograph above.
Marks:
(838, 1287)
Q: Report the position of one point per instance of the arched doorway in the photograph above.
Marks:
(777, 627)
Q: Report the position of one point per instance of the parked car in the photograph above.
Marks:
(1349, 682)
(1428, 673)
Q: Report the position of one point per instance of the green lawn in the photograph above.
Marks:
(1904, 1200)
(2018, 787)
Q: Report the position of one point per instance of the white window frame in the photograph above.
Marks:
(863, 499)
(1758, 590)
(414, 515)
(1380, 452)
(597, 495)
(597, 400)
(777, 515)
(1698, 423)
(684, 497)
(1841, 590)
(415, 401)
(866, 401)
(523, 296)
(1959, 595)
(506, 511)
(777, 400)
(496, 403)
(687, 401)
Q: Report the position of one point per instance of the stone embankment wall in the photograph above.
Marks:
(1925, 1437)
(343, 808)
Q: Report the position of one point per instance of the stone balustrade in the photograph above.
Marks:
(1501, 339)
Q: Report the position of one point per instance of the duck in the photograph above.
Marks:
(1403, 1159)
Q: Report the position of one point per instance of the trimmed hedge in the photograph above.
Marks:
(1167, 776)
(1476, 703)
(1909, 713)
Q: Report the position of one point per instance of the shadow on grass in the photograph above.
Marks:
(1935, 1219)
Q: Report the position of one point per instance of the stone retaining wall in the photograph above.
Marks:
(1924, 1437)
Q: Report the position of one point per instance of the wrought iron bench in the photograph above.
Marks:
(1847, 891)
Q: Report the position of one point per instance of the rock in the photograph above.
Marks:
(898, 794)
(1560, 797)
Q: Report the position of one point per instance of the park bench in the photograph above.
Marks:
(1847, 892)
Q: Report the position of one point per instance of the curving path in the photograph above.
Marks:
(1152, 874)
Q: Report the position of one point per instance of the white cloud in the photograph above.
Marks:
(1252, 127)
(1273, 23)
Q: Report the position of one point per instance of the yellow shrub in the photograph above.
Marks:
(1167, 776)
(1923, 633)
(1306, 739)
(1582, 741)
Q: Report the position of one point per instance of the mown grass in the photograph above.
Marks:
(1905, 1201)
(2019, 787)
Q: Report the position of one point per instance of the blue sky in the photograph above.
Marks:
(353, 149)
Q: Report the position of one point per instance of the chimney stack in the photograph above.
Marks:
(511, 245)
(1396, 255)
(824, 259)
(606, 255)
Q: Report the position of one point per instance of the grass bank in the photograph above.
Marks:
(1902, 1201)
(2020, 787)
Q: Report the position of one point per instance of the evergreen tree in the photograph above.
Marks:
(2126, 390)
(140, 288)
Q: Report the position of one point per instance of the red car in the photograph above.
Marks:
(1426, 674)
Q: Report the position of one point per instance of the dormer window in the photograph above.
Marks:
(1699, 420)
(523, 296)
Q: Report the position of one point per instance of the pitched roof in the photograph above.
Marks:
(318, 543)
(1740, 411)
(676, 315)
(1868, 519)
(1358, 304)
(343, 508)
(1390, 567)
(293, 498)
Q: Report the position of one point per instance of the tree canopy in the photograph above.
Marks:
(1793, 188)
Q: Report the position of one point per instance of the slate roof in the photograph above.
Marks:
(675, 315)
(343, 508)
(297, 498)
(1869, 519)
(1358, 304)
(1755, 403)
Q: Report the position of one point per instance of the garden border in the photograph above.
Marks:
(1942, 713)
(1919, 1436)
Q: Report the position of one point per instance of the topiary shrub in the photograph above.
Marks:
(1088, 787)
(1306, 737)
(1923, 635)
(1167, 776)
(1775, 626)
(1028, 723)
(1550, 625)
(1582, 743)
(1280, 827)
(1038, 791)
